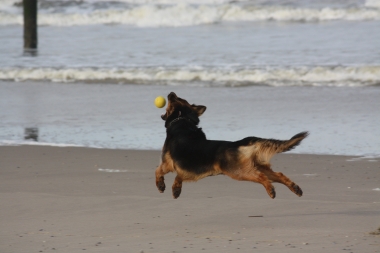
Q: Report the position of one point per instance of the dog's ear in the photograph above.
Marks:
(200, 109)
(172, 96)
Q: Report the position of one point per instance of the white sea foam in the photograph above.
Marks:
(372, 3)
(302, 76)
(150, 15)
(368, 158)
(111, 170)
(35, 143)
(7, 4)
(172, 1)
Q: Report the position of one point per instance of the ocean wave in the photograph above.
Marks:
(372, 3)
(150, 15)
(173, 1)
(338, 76)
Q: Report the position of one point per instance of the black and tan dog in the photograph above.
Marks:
(187, 152)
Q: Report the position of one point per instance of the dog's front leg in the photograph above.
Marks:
(160, 178)
(177, 186)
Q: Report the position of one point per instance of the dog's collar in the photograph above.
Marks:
(176, 119)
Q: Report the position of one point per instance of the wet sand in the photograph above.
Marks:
(340, 121)
(65, 199)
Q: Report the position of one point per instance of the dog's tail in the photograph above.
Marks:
(266, 148)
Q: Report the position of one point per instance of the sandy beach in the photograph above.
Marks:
(65, 199)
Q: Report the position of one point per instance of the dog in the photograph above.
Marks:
(187, 152)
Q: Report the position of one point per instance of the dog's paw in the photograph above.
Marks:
(161, 186)
(176, 192)
(297, 190)
(272, 193)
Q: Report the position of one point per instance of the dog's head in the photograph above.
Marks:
(178, 107)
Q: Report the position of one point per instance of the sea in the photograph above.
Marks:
(265, 68)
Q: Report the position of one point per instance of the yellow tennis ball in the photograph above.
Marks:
(160, 102)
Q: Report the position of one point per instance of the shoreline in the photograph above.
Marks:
(105, 115)
(71, 199)
(11, 143)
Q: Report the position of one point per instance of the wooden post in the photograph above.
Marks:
(30, 24)
(31, 133)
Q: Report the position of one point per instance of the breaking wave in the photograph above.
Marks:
(155, 15)
(303, 76)
(372, 3)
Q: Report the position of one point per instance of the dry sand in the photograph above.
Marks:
(56, 199)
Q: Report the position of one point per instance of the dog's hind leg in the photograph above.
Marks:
(177, 186)
(254, 176)
(278, 177)
(268, 186)
(263, 179)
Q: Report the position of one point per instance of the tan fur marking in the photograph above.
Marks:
(189, 176)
